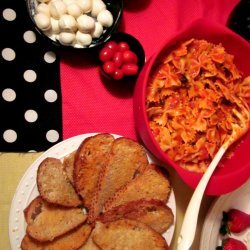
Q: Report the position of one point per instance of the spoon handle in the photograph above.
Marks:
(190, 219)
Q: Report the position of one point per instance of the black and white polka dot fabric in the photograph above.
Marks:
(30, 96)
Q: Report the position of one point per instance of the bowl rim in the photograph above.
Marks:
(96, 45)
(234, 23)
(190, 178)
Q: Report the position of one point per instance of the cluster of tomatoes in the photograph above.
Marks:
(118, 60)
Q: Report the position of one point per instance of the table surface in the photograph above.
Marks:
(14, 165)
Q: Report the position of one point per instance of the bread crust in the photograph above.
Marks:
(53, 221)
(68, 166)
(127, 234)
(91, 157)
(128, 159)
(153, 213)
(69, 241)
(34, 208)
(54, 185)
(90, 244)
(153, 183)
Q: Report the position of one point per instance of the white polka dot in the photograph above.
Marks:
(9, 14)
(50, 95)
(30, 115)
(8, 54)
(10, 135)
(9, 95)
(29, 75)
(49, 57)
(52, 135)
(29, 36)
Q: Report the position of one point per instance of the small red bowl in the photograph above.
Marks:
(231, 173)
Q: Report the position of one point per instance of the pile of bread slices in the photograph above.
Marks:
(104, 195)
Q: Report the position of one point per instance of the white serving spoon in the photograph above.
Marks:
(189, 224)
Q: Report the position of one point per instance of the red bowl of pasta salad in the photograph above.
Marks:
(183, 103)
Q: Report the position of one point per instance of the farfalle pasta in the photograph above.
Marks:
(190, 96)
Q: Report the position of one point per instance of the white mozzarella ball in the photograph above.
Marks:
(83, 39)
(105, 18)
(43, 8)
(67, 38)
(67, 23)
(86, 5)
(97, 7)
(98, 30)
(51, 35)
(67, 2)
(57, 9)
(74, 10)
(42, 21)
(54, 25)
(85, 23)
(48, 32)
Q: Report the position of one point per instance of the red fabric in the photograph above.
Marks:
(91, 104)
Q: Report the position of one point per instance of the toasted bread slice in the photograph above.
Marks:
(91, 157)
(54, 185)
(152, 184)
(127, 234)
(128, 159)
(31, 244)
(52, 221)
(89, 245)
(152, 212)
(68, 166)
(34, 208)
(71, 240)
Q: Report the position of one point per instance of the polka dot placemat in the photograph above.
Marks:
(30, 95)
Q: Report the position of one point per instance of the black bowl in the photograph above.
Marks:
(135, 46)
(239, 19)
(114, 6)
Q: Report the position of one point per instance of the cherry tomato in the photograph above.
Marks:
(129, 56)
(117, 59)
(118, 74)
(135, 58)
(130, 69)
(106, 54)
(112, 45)
(109, 67)
(122, 46)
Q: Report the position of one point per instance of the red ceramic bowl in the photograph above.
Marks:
(230, 173)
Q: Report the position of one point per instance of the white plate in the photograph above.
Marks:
(27, 191)
(239, 199)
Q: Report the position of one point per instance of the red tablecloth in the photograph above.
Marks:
(93, 105)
